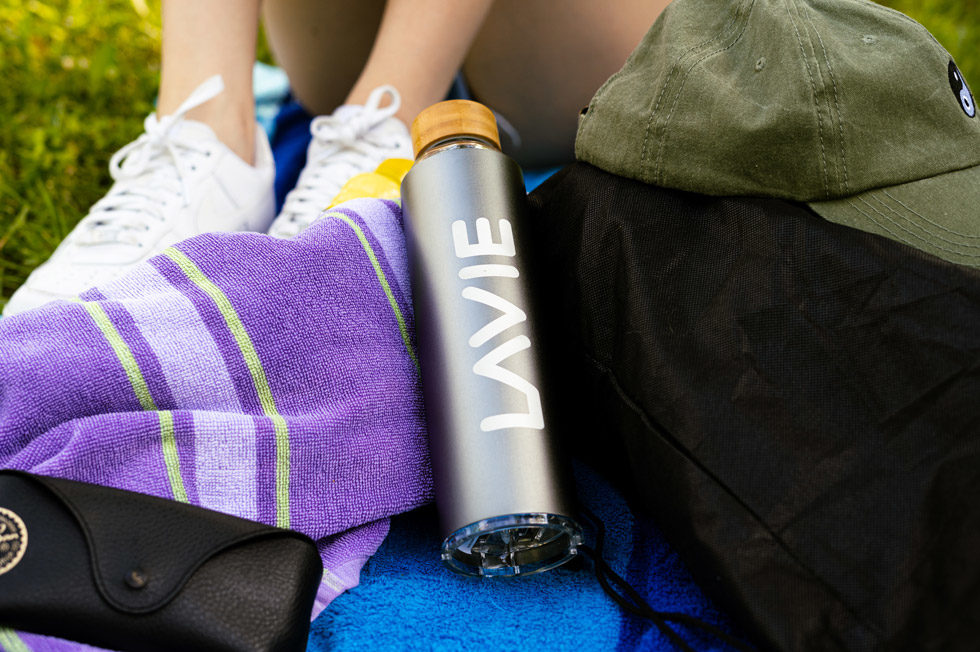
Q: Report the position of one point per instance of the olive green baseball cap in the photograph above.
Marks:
(844, 104)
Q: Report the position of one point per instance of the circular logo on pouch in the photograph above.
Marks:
(961, 90)
(13, 539)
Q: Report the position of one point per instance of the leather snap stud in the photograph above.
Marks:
(136, 579)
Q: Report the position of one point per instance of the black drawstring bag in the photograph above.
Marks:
(798, 403)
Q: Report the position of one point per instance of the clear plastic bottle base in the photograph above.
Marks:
(514, 544)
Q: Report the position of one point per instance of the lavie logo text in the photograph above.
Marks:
(511, 315)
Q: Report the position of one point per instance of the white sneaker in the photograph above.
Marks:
(353, 140)
(175, 181)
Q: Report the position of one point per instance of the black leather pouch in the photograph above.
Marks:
(125, 571)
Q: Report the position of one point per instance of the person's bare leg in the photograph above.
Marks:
(202, 38)
(539, 63)
(420, 47)
(338, 52)
(536, 62)
(322, 45)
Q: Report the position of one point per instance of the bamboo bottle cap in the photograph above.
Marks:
(453, 118)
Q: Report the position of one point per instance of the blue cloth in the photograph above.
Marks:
(290, 136)
(407, 599)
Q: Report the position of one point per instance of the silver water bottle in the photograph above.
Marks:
(502, 502)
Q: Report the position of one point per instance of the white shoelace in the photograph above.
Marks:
(150, 174)
(343, 146)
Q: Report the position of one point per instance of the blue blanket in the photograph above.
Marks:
(408, 600)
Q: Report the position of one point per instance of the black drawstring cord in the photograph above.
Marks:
(629, 599)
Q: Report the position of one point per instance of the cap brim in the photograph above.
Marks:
(939, 215)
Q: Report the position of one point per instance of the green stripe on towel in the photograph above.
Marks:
(128, 361)
(10, 642)
(123, 352)
(383, 280)
(259, 380)
(170, 456)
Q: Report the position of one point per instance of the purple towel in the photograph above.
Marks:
(269, 379)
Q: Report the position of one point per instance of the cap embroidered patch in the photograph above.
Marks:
(960, 89)
(13, 540)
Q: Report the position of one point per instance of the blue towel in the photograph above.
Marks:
(407, 599)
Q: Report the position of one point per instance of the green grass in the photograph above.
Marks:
(78, 76)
